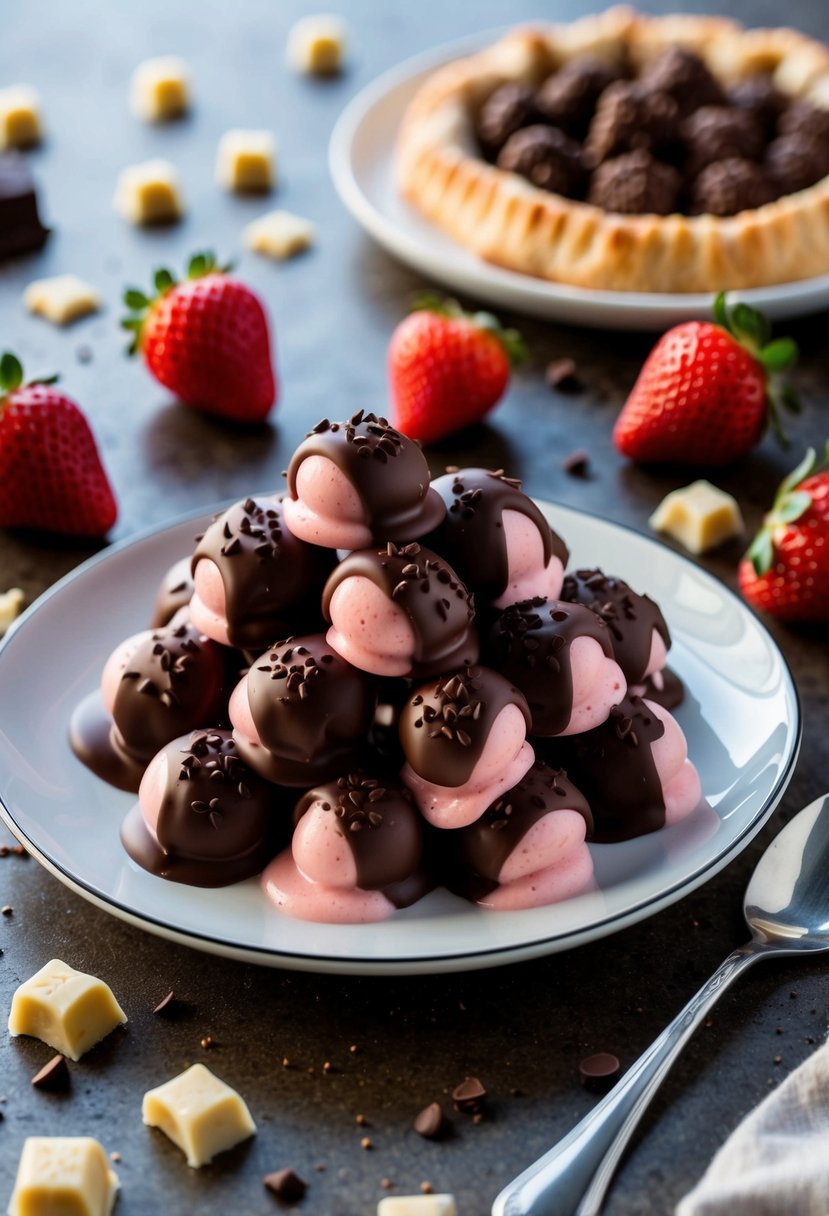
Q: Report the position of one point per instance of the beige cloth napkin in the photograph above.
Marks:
(777, 1161)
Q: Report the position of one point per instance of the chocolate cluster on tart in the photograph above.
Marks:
(670, 139)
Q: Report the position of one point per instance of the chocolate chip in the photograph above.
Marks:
(54, 1076)
(468, 1095)
(562, 373)
(167, 1004)
(429, 1122)
(577, 464)
(286, 1185)
(598, 1072)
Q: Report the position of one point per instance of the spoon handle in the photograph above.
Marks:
(571, 1179)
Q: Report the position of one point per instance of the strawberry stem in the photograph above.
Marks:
(751, 329)
(11, 372)
(140, 304)
(790, 504)
(510, 339)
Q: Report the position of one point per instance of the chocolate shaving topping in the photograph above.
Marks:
(468, 1096)
(54, 1076)
(285, 1185)
(429, 1122)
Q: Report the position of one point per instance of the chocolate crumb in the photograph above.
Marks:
(286, 1185)
(167, 1004)
(598, 1072)
(361, 1120)
(54, 1076)
(7, 910)
(562, 373)
(429, 1122)
(778, 1059)
(477, 1118)
(427, 1188)
(115, 1156)
(328, 1066)
(208, 1042)
(386, 1184)
(366, 1143)
(468, 1096)
(577, 464)
(320, 1167)
(353, 1049)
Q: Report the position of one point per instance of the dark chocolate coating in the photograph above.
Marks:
(380, 823)
(20, 228)
(426, 588)
(216, 816)
(174, 680)
(484, 846)
(614, 768)
(471, 536)
(387, 470)
(312, 711)
(174, 593)
(530, 645)
(268, 573)
(631, 618)
(445, 725)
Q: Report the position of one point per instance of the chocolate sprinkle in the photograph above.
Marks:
(54, 1076)
(429, 1122)
(285, 1185)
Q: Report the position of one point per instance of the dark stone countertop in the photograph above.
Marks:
(522, 1029)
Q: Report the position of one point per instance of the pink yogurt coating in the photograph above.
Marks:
(208, 605)
(241, 719)
(368, 630)
(681, 787)
(528, 576)
(548, 843)
(549, 885)
(151, 791)
(117, 664)
(598, 685)
(321, 852)
(327, 510)
(504, 760)
(656, 661)
(295, 895)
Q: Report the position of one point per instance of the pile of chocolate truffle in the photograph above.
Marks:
(373, 684)
(670, 139)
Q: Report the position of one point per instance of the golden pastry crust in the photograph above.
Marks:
(510, 222)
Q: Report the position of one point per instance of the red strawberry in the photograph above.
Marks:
(206, 340)
(51, 476)
(707, 391)
(447, 368)
(786, 569)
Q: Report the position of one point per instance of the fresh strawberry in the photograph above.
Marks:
(786, 569)
(206, 340)
(707, 391)
(51, 476)
(447, 368)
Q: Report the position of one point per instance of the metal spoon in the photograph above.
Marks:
(786, 907)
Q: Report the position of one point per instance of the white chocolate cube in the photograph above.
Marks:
(62, 299)
(149, 193)
(69, 1175)
(65, 1008)
(279, 235)
(317, 44)
(20, 121)
(246, 161)
(11, 605)
(160, 89)
(699, 516)
(200, 1113)
(417, 1205)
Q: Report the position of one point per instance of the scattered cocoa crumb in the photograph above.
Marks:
(577, 464)
(778, 1030)
(4, 850)
(286, 1185)
(7, 910)
(386, 1184)
(429, 1122)
(286, 1063)
(354, 1049)
(478, 1118)
(208, 1042)
(808, 1041)
(792, 996)
(468, 1096)
(19, 851)
(427, 1188)
(366, 1143)
(328, 1066)
(53, 1076)
(562, 373)
(320, 1167)
(708, 1023)
(778, 1059)
(361, 1120)
(115, 1156)
(84, 354)
(167, 1004)
(598, 1072)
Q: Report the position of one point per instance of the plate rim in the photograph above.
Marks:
(389, 234)
(428, 963)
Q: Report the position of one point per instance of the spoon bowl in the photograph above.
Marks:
(786, 903)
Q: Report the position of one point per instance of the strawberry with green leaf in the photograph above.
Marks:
(786, 569)
(206, 340)
(51, 476)
(707, 391)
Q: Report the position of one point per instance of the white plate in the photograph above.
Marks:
(360, 159)
(741, 717)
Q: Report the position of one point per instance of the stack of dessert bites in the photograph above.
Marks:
(374, 683)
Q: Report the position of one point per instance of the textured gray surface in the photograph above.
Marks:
(522, 1029)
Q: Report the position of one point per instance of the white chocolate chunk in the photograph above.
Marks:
(21, 125)
(160, 89)
(417, 1205)
(149, 193)
(279, 235)
(69, 1175)
(65, 1008)
(699, 516)
(62, 299)
(11, 605)
(246, 161)
(316, 44)
(200, 1113)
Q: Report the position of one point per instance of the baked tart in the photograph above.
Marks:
(630, 153)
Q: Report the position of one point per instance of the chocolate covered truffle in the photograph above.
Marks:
(718, 132)
(497, 538)
(360, 482)
(568, 98)
(638, 629)
(684, 75)
(561, 657)
(628, 118)
(301, 712)
(254, 579)
(528, 848)
(464, 737)
(546, 157)
(633, 769)
(174, 593)
(505, 111)
(635, 184)
(796, 161)
(203, 817)
(400, 612)
(730, 186)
